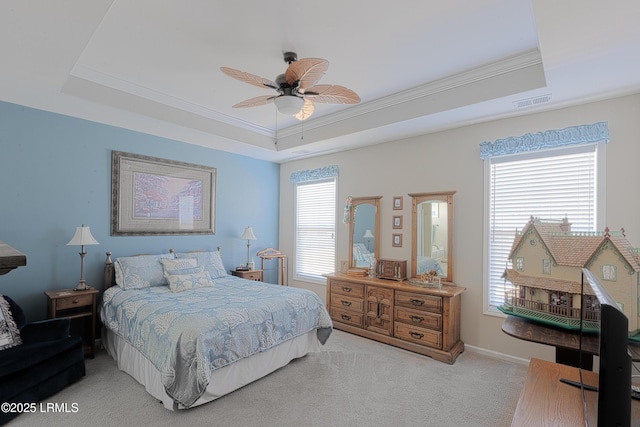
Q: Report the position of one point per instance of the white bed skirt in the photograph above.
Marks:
(223, 381)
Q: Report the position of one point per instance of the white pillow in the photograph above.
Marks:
(173, 265)
(211, 262)
(183, 282)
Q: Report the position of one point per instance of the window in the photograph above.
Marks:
(546, 266)
(556, 183)
(520, 263)
(315, 229)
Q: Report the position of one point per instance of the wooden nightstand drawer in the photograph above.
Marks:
(73, 301)
(355, 290)
(249, 274)
(418, 335)
(419, 301)
(422, 319)
(80, 307)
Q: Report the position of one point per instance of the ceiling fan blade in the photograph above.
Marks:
(307, 71)
(255, 102)
(332, 94)
(252, 79)
(306, 111)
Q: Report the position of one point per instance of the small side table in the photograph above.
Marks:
(80, 307)
(249, 274)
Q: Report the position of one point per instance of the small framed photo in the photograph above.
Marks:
(397, 203)
(397, 241)
(397, 222)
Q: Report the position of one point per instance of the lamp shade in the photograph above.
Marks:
(289, 104)
(247, 234)
(368, 235)
(82, 237)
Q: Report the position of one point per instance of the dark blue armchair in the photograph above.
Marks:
(46, 362)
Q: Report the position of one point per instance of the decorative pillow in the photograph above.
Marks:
(9, 333)
(209, 260)
(182, 282)
(178, 264)
(142, 271)
(190, 270)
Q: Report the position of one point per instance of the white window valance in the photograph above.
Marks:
(314, 174)
(573, 135)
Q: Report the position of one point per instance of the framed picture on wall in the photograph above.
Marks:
(397, 240)
(397, 203)
(152, 196)
(397, 222)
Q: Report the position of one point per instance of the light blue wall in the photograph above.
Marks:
(55, 174)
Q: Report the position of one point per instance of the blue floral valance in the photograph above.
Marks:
(573, 135)
(314, 174)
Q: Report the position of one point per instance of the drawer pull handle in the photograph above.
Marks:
(416, 301)
(416, 335)
(346, 289)
(75, 301)
(345, 317)
(346, 303)
(416, 319)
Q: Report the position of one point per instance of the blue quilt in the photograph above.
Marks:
(189, 334)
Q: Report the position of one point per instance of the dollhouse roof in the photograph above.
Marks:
(546, 283)
(575, 249)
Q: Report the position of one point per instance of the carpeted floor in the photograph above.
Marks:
(353, 381)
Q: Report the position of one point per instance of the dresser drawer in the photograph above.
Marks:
(418, 335)
(418, 301)
(347, 303)
(346, 288)
(419, 318)
(74, 301)
(346, 316)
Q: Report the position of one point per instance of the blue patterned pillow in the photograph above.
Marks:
(211, 262)
(142, 271)
(183, 282)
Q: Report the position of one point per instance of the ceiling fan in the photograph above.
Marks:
(297, 89)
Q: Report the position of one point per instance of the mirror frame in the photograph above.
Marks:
(355, 201)
(417, 198)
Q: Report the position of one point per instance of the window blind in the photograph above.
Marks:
(548, 184)
(315, 227)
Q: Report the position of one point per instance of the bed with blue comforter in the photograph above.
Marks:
(189, 334)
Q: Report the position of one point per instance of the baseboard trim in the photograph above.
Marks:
(496, 355)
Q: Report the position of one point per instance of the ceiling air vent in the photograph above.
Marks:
(532, 102)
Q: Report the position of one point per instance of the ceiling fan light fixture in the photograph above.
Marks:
(289, 104)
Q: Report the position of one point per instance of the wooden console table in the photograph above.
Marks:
(566, 342)
(545, 401)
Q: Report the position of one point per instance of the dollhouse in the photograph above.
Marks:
(545, 274)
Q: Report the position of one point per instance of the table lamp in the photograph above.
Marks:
(81, 238)
(248, 236)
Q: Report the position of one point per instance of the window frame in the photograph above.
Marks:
(599, 202)
(310, 277)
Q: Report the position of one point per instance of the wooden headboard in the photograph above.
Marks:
(110, 273)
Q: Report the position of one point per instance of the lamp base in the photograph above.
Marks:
(82, 286)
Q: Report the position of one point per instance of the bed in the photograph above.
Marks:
(191, 333)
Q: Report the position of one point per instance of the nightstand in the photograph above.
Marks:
(249, 274)
(80, 307)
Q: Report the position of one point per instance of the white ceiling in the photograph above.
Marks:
(419, 66)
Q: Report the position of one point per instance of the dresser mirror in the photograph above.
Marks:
(364, 230)
(432, 234)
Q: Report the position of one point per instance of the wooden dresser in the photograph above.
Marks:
(423, 320)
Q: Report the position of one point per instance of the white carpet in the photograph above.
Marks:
(353, 381)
